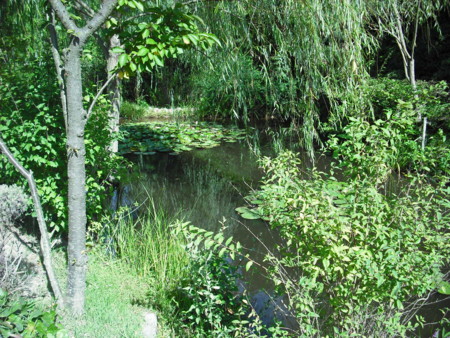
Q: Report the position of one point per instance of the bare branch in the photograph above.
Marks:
(45, 241)
(140, 15)
(416, 27)
(99, 18)
(58, 65)
(91, 107)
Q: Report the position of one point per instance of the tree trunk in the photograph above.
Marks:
(114, 91)
(76, 153)
(412, 74)
(77, 258)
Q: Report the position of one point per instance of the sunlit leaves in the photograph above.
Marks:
(160, 34)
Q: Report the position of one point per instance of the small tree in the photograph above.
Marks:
(401, 20)
(69, 70)
(165, 35)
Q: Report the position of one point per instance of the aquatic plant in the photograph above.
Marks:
(148, 138)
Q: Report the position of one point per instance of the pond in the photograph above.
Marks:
(205, 186)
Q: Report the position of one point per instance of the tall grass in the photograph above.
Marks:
(154, 250)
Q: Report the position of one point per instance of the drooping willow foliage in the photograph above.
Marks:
(296, 60)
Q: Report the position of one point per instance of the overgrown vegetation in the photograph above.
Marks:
(362, 246)
(32, 126)
(361, 253)
(188, 275)
(24, 318)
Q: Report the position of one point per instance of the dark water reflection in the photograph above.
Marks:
(205, 187)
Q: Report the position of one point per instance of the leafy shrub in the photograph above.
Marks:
(13, 203)
(355, 256)
(375, 149)
(31, 124)
(207, 297)
(430, 99)
(25, 319)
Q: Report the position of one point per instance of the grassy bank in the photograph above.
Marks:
(112, 290)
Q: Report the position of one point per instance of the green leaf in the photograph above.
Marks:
(139, 5)
(444, 288)
(143, 51)
(248, 213)
(158, 61)
(118, 50)
(146, 33)
(248, 265)
(123, 59)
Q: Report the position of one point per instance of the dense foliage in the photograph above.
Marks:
(356, 255)
(361, 252)
(31, 124)
(189, 273)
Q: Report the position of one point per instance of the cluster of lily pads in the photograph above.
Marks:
(147, 138)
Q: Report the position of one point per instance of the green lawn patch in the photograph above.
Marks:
(111, 291)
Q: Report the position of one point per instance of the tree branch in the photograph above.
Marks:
(89, 13)
(82, 6)
(45, 241)
(140, 15)
(91, 107)
(416, 27)
(99, 18)
(63, 15)
(58, 65)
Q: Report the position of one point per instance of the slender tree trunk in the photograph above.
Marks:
(114, 91)
(77, 258)
(76, 154)
(138, 86)
(412, 74)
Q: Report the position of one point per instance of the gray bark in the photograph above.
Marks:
(76, 153)
(424, 133)
(114, 91)
(76, 122)
(58, 65)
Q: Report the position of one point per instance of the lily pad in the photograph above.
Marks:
(174, 137)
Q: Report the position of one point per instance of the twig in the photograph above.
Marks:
(91, 107)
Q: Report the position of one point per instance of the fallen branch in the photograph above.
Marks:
(45, 241)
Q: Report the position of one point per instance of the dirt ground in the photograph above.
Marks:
(21, 271)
